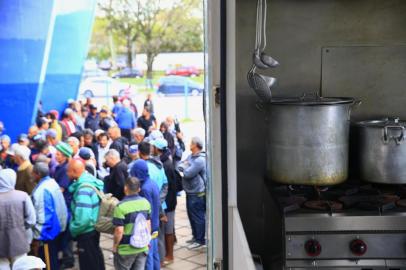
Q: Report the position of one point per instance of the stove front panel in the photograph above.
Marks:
(345, 241)
(338, 245)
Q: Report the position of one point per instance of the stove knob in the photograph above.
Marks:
(358, 247)
(313, 248)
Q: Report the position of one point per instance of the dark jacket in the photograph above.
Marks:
(114, 183)
(171, 196)
(107, 123)
(63, 181)
(92, 122)
(120, 145)
(171, 142)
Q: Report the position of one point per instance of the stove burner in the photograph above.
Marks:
(381, 202)
(401, 203)
(323, 205)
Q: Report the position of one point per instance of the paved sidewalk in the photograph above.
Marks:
(184, 259)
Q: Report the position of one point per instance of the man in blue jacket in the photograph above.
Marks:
(52, 214)
(193, 171)
(150, 191)
(126, 120)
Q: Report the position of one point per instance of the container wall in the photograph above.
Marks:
(70, 42)
(26, 28)
(297, 33)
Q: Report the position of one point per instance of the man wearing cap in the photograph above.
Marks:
(6, 160)
(132, 155)
(23, 139)
(52, 215)
(155, 170)
(167, 229)
(92, 120)
(63, 155)
(21, 156)
(52, 139)
(87, 155)
(18, 217)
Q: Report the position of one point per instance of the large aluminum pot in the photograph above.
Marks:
(308, 140)
(381, 150)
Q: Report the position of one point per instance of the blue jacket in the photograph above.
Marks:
(149, 190)
(126, 119)
(194, 170)
(157, 174)
(50, 207)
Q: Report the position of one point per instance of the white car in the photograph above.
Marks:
(103, 87)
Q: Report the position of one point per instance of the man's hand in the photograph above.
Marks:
(164, 219)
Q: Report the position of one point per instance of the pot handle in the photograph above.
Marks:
(354, 105)
(399, 140)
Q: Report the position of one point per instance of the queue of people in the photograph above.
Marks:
(52, 178)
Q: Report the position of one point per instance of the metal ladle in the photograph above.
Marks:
(261, 84)
(266, 59)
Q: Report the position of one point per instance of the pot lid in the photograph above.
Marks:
(311, 99)
(394, 121)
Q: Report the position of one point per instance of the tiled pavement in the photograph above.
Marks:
(184, 259)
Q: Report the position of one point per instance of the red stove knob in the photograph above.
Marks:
(313, 248)
(358, 247)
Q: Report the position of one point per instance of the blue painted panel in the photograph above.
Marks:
(70, 44)
(24, 29)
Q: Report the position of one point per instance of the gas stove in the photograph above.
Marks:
(350, 226)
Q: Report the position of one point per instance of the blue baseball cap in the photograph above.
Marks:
(160, 143)
(133, 149)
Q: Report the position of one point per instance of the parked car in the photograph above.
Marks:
(129, 73)
(97, 72)
(103, 87)
(175, 85)
(105, 65)
(183, 71)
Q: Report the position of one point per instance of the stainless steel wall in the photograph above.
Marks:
(300, 32)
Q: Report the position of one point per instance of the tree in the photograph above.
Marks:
(167, 28)
(122, 22)
(154, 26)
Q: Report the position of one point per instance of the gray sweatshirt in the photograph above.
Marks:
(194, 173)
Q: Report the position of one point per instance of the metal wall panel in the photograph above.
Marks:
(297, 32)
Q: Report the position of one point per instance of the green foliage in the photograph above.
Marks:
(147, 26)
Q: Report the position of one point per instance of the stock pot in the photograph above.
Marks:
(308, 140)
(381, 151)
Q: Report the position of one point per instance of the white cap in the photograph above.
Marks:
(28, 262)
(22, 151)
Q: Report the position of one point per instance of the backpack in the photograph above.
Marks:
(141, 236)
(108, 203)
